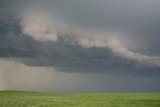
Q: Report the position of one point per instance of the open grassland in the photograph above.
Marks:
(35, 99)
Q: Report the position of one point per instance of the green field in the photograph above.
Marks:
(35, 99)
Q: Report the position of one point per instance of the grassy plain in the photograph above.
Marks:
(105, 99)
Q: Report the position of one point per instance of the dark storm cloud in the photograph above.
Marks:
(59, 54)
(137, 19)
(30, 57)
(64, 56)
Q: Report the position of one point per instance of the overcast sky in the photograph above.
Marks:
(80, 45)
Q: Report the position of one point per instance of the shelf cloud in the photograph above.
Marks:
(85, 37)
(41, 30)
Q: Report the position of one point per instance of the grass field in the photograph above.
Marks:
(35, 99)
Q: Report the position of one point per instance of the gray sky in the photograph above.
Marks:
(83, 45)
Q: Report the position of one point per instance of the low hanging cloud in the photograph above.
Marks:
(67, 45)
(144, 60)
(119, 50)
(41, 30)
(38, 28)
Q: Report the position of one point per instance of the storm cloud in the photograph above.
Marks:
(83, 36)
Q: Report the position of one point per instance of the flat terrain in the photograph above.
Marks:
(35, 99)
